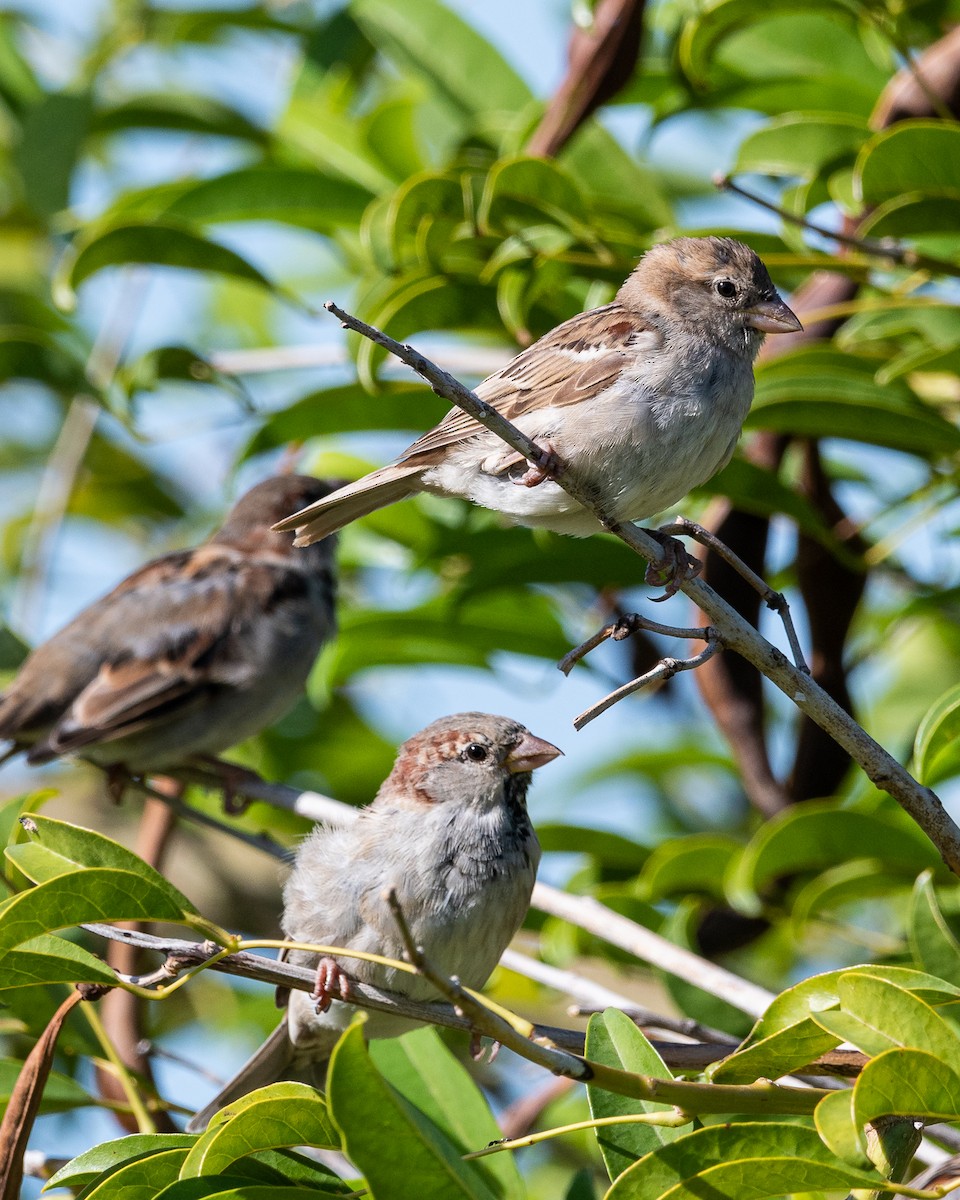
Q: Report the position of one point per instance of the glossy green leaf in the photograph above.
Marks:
(283, 1114)
(913, 215)
(536, 182)
(157, 244)
(788, 1035)
(58, 847)
(913, 156)
(738, 1162)
(898, 1014)
(907, 1083)
(94, 1162)
(427, 1074)
(96, 894)
(934, 946)
(613, 851)
(936, 749)
(225, 1188)
(818, 834)
(614, 1040)
(837, 1126)
(801, 143)
(47, 959)
(140, 1178)
(401, 1153)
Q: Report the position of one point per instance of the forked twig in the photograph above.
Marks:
(665, 669)
(776, 601)
(622, 628)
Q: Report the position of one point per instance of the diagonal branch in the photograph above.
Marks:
(882, 768)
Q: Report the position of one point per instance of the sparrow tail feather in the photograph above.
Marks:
(373, 491)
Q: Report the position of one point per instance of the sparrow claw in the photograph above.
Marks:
(675, 567)
(547, 467)
(331, 978)
(230, 777)
(118, 780)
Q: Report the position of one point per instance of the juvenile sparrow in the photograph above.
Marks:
(449, 831)
(190, 654)
(642, 400)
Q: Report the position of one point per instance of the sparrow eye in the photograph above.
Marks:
(475, 752)
(726, 288)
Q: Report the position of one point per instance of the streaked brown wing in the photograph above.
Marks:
(575, 361)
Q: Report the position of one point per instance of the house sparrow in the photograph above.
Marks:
(190, 654)
(449, 831)
(642, 399)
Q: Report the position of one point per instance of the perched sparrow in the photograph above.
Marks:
(449, 831)
(194, 652)
(642, 399)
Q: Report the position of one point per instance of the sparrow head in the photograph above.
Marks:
(472, 758)
(714, 284)
(248, 525)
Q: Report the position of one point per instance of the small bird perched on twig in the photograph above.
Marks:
(190, 654)
(642, 400)
(449, 831)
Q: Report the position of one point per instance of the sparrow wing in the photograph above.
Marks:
(571, 364)
(161, 640)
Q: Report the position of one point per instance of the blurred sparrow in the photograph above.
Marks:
(192, 653)
(449, 831)
(642, 400)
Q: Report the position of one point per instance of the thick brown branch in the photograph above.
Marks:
(601, 60)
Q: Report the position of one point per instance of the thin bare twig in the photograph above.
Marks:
(901, 256)
(737, 634)
(775, 601)
(622, 628)
(665, 669)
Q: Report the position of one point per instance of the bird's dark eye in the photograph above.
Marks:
(726, 289)
(475, 752)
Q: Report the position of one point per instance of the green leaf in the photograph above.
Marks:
(185, 111)
(614, 1040)
(48, 959)
(837, 1127)
(936, 749)
(535, 182)
(200, 1189)
(812, 393)
(913, 156)
(51, 138)
(801, 143)
(139, 1179)
(739, 1162)
(425, 1072)
(468, 71)
(907, 1083)
(96, 894)
(283, 1114)
(86, 1167)
(401, 1153)
(60, 1092)
(818, 834)
(788, 1035)
(895, 1015)
(694, 863)
(716, 21)
(60, 847)
(934, 946)
(157, 244)
(293, 196)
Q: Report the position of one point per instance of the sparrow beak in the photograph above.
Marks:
(772, 316)
(529, 753)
